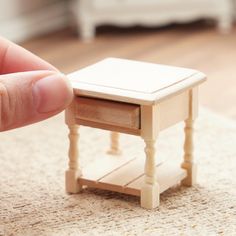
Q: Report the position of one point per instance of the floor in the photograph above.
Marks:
(199, 46)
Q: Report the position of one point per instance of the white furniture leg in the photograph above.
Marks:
(86, 27)
(225, 24)
(114, 142)
(74, 172)
(86, 31)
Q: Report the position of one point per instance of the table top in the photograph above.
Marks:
(133, 81)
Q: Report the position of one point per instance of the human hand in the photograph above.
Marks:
(31, 90)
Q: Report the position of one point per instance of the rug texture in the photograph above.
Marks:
(34, 202)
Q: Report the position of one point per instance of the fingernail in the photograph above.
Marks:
(52, 93)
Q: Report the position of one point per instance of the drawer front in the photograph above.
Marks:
(108, 112)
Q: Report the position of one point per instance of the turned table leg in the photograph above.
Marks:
(114, 144)
(74, 172)
(150, 192)
(188, 163)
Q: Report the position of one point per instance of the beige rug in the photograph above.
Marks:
(33, 201)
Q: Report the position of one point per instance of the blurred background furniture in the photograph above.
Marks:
(92, 13)
(24, 19)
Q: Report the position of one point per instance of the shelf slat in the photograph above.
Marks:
(126, 175)
(167, 175)
(104, 165)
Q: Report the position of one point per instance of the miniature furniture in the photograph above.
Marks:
(140, 99)
(92, 13)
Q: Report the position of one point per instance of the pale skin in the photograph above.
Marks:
(31, 89)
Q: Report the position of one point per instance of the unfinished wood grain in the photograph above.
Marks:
(193, 102)
(108, 112)
(114, 144)
(108, 127)
(133, 81)
(104, 165)
(168, 100)
(174, 110)
(126, 174)
(69, 114)
(150, 121)
(74, 171)
(119, 178)
(129, 177)
(167, 174)
(150, 191)
(188, 163)
(112, 71)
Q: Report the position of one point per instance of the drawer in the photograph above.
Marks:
(108, 112)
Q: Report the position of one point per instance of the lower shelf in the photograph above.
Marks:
(127, 175)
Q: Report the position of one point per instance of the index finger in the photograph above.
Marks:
(14, 58)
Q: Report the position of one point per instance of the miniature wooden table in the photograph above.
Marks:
(136, 98)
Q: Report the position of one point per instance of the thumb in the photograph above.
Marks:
(28, 97)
